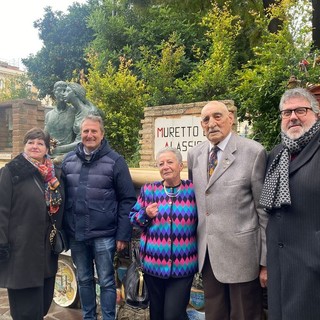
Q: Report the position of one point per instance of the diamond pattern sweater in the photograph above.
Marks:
(168, 245)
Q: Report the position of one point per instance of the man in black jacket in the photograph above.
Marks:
(291, 196)
(99, 197)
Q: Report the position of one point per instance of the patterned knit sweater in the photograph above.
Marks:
(168, 245)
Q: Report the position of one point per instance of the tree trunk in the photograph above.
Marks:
(316, 24)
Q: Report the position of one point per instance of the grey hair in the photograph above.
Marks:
(94, 118)
(175, 151)
(303, 93)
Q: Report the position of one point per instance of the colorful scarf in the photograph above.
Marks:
(51, 192)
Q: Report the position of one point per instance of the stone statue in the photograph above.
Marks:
(59, 121)
(75, 94)
(63, 122)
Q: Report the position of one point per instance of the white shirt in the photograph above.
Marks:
(222, 145)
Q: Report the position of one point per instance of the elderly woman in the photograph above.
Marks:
(166, 212)
(30, 193)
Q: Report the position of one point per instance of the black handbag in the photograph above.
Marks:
(58, 240)
(134, 286)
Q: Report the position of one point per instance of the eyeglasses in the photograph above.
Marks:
(299, 112)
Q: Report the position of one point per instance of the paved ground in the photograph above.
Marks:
(55, 312)
(58, 313)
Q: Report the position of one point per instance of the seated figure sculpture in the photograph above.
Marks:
(65, 128)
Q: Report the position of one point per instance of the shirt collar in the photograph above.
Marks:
(222, 144)
(87, 154)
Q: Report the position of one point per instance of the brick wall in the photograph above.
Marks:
(26, 114)
(4, 143)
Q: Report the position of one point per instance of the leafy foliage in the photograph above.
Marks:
(212, 77)
(121, 29)
(65, 38)
(160, 72)
(262, 80)
(122, 97)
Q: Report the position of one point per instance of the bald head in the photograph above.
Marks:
(216, 121)
(217, 105)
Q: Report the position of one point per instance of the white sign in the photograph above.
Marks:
(182, 133)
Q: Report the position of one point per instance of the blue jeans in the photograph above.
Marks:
(101, 252)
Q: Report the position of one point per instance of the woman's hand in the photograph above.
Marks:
(152, 210)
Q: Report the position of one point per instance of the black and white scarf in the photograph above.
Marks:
(276, 192)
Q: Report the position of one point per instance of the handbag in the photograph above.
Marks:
(133, 284)
(134, 288)
(58, 240)
(127, 312)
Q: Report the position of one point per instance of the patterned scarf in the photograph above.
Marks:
(276, 192)
(51, 192)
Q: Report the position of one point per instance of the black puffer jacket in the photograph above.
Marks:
(24, 227)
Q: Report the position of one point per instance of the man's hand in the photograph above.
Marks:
(263, 277)
(121, 245)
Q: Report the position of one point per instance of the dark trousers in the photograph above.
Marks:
(31, 303)
(169, 298)
(236, 301)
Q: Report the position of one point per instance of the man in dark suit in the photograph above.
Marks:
(291, 195)
(231, 227)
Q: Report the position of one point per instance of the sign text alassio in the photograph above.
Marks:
(182, 133)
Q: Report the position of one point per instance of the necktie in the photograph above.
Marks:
(213, 160)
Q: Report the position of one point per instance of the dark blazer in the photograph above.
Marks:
(231, 224)
(25, 226)
(293, 241)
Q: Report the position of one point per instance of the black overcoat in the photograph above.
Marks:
(293, 242)
(25, 226)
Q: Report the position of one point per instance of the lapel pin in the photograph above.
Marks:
(226, 163)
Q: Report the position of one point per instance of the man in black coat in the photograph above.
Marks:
(291, 195)
(99, 197)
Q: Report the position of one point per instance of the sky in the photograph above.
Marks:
(18, 36)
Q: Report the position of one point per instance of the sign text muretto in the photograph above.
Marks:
(182, 133)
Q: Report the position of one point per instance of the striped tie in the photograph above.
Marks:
(213, 160)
